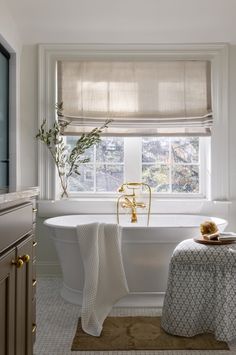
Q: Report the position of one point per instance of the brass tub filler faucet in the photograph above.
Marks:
(129, 200)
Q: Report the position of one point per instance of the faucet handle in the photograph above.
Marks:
(141, 204)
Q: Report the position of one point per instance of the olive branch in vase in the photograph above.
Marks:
(67, 162)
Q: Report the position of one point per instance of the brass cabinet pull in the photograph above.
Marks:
(34, 326)
(34, 282)
(25, 258)
(34, 244)
(18, 262)
(34, 209)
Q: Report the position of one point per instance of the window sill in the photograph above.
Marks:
(51, 208)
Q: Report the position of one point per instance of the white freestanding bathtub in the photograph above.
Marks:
(146, 252)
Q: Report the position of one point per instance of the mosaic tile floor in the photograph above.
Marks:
(57, 320)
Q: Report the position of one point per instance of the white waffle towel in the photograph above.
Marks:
(104, 277)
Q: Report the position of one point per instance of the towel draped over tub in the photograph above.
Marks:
(104, 277)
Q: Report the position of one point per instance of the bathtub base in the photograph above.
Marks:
(132, 300)
(146, 253)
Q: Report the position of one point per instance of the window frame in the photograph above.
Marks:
(7, 56)
(218, 176)
(133, 171)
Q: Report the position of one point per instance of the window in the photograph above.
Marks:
(157, 99)
(169, 165)
(213, 158)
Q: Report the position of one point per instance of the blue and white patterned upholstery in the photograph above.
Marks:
(201, 291)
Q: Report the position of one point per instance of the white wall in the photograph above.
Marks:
(28, 114)
(46, 252)
(8, 30)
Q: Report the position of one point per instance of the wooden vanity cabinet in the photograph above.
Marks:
(17, 287)
(7, 303)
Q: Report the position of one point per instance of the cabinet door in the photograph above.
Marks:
(24, 299)
(7, 303)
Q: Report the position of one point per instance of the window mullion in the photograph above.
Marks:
(94, 170)
(203, 166)
(132, 159)
(170, 164)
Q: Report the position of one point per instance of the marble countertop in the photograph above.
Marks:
(7, 199)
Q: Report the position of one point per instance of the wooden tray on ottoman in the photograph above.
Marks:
(212, 242)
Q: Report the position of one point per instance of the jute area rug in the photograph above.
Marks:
(140, 333)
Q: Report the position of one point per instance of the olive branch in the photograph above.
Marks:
(67, 162)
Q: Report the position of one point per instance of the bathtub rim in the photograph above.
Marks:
(49, 222)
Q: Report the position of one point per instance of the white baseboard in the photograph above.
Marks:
(48, 269)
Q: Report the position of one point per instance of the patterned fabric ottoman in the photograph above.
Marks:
(201, 291)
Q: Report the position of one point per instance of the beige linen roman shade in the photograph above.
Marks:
(141, 97)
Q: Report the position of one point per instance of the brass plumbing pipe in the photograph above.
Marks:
(133, 204)
(150, 201)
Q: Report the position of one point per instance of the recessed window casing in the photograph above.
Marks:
(214, 116)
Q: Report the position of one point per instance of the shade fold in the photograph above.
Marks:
(141, 97)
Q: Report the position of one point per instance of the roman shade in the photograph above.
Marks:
(162, 98)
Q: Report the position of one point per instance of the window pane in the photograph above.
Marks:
(185, 178)
(185, 150)
(181, 172)
(84, 181)
(109, 177)
(110, 149)
(157, 177)
(155, 150)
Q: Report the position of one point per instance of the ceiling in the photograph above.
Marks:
(124, 21)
